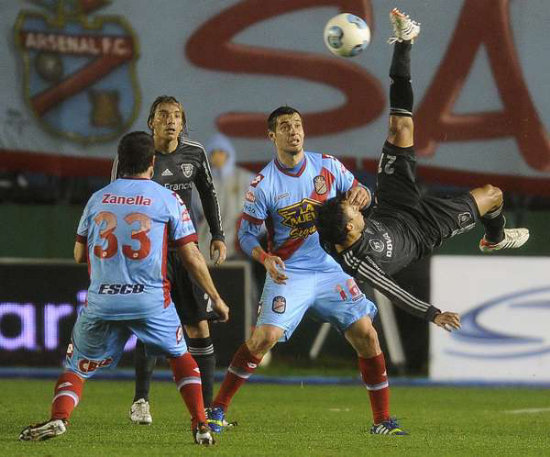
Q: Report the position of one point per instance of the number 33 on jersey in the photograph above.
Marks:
(126, 227)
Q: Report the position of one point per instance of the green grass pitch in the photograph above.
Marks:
(285, 421)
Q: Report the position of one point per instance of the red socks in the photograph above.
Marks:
(188, 379)
(241, 368)
(67, 393)
(373, 372)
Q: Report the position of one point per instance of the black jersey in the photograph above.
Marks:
(403, 226)
(182, 169)
(391, 245)
(385, 247)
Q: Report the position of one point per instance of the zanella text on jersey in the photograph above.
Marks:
(122, 200)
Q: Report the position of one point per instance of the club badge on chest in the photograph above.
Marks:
(187, 169)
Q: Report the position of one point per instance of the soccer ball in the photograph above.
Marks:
(346, 35)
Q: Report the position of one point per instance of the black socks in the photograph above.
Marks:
(401, 93)
(202, 351)
(494, 225)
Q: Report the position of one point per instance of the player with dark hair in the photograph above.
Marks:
(181, 164)
(403, 225)
(300, 275)
(123, 235)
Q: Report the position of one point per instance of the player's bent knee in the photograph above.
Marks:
(494, 195)
(198, 330)
(401, 131)
(364, 338)
(487, 198)
(263, 339)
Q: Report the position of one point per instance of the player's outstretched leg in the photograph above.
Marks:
(404, 28)
(140, 412)
(513, 238)
(187, 377)
(67, 394)
(242, 366)
(244, 363)
(43, 431)
(401, 92)
(489, 202)
(364, 339)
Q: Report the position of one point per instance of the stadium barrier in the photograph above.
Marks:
(40, 299)
(504, 303)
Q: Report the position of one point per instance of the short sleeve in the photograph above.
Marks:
(84, 224)
(345, 179)
(255, 207)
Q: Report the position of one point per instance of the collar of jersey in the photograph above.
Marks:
(285, 170)
(358, 242)
(137, 179)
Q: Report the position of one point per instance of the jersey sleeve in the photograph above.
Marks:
(84, 224)
(209, 199)
(181, 229)
(344, 179)
(255, 212)
(365, 269)
(255, 202)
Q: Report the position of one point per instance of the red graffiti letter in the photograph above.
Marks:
(211, 47)
(482, 22)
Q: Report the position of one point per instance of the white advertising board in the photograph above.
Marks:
(504, 303)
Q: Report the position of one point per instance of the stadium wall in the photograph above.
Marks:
(40, 299)
(76, 75)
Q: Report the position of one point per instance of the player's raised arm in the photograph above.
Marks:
(359, 196)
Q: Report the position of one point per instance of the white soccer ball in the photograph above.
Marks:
(346, 35)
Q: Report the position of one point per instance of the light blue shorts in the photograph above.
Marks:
(333, 296)
(98, 343)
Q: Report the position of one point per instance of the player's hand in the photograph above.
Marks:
(221, 309)
(275, 267)
(218, 247)
(448, 321)
(358, 196)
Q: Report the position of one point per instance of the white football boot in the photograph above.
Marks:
(404, 28)
(513, 238)
(43, 431)
(202, 435)
(140, 413)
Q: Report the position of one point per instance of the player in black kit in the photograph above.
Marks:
(179, 165)
(402, 225)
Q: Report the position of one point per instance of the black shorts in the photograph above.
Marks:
(431, 219)
(192, 303)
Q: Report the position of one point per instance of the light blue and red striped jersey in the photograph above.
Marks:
(286, 203)
(127, 226)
